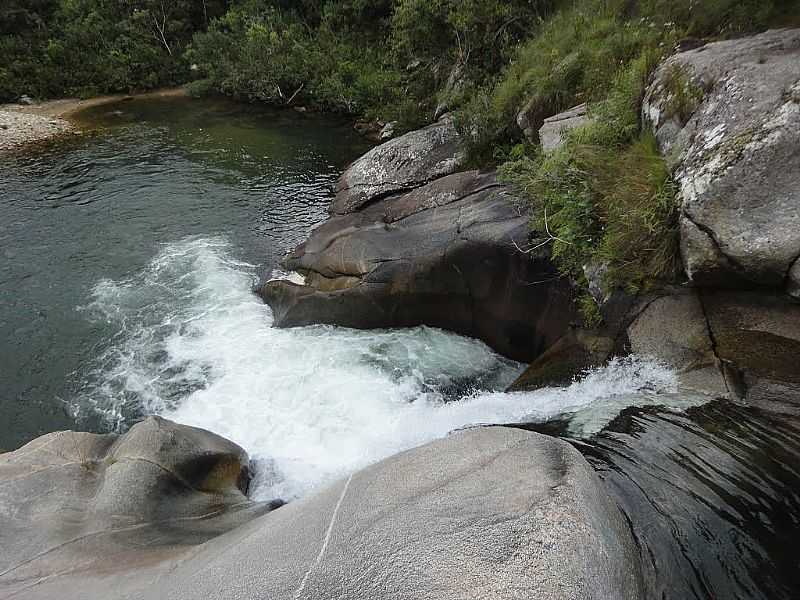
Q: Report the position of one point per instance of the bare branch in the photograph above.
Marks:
(550, 238)
(297, 91)
(161, 29)
(547, 229)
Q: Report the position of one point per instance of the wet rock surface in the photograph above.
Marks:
(758, 336)
(711, 494)
(564, 361)
(674, 329)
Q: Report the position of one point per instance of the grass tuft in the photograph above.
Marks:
(603, 205)
(685, 94)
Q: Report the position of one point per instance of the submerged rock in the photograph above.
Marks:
(485, 513)
(727, 117)
(447, 254)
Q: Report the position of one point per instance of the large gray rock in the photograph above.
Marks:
(553, 131)
(759, 334)
(485, 513)
(447, 254)
(727, 117)
(399, 165)
(673, 329)
(76, 502)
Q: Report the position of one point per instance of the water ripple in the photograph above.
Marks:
(713, 496)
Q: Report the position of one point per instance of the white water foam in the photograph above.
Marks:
(193, 343)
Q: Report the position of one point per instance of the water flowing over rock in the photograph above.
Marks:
(447, 254)
(484, 513)
(577, 351)
(711, 494)
(674, 330)
(727, 117)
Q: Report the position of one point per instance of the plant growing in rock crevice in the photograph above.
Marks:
(605, 206)
(685, 95)
(606, 195)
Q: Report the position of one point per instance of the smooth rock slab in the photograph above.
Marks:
(74, 503)
(448, 254)
(736, 159)
(487, 513)
(399, 165)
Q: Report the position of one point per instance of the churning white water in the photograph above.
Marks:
(194, 344)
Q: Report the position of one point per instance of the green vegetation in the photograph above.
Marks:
(388, 59)
(684, 94)
(604, 198)
(63, 47)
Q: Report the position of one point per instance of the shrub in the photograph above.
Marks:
(597, 205)
(478, 33)
(724, 18)
(200, 88)
(64, 47)
(606, 197)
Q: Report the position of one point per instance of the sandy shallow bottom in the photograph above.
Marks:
(22, 125)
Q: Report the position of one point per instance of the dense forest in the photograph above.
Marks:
(389, 58)
(499, 66)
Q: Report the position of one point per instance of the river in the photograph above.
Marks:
(129, 259)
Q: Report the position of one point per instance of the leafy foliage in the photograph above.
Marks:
(388, 58)
(59, 47)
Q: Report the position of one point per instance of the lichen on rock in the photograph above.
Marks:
(735, 159)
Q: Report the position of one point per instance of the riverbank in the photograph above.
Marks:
(22, 125)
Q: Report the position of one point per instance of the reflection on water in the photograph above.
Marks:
(713, 497)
